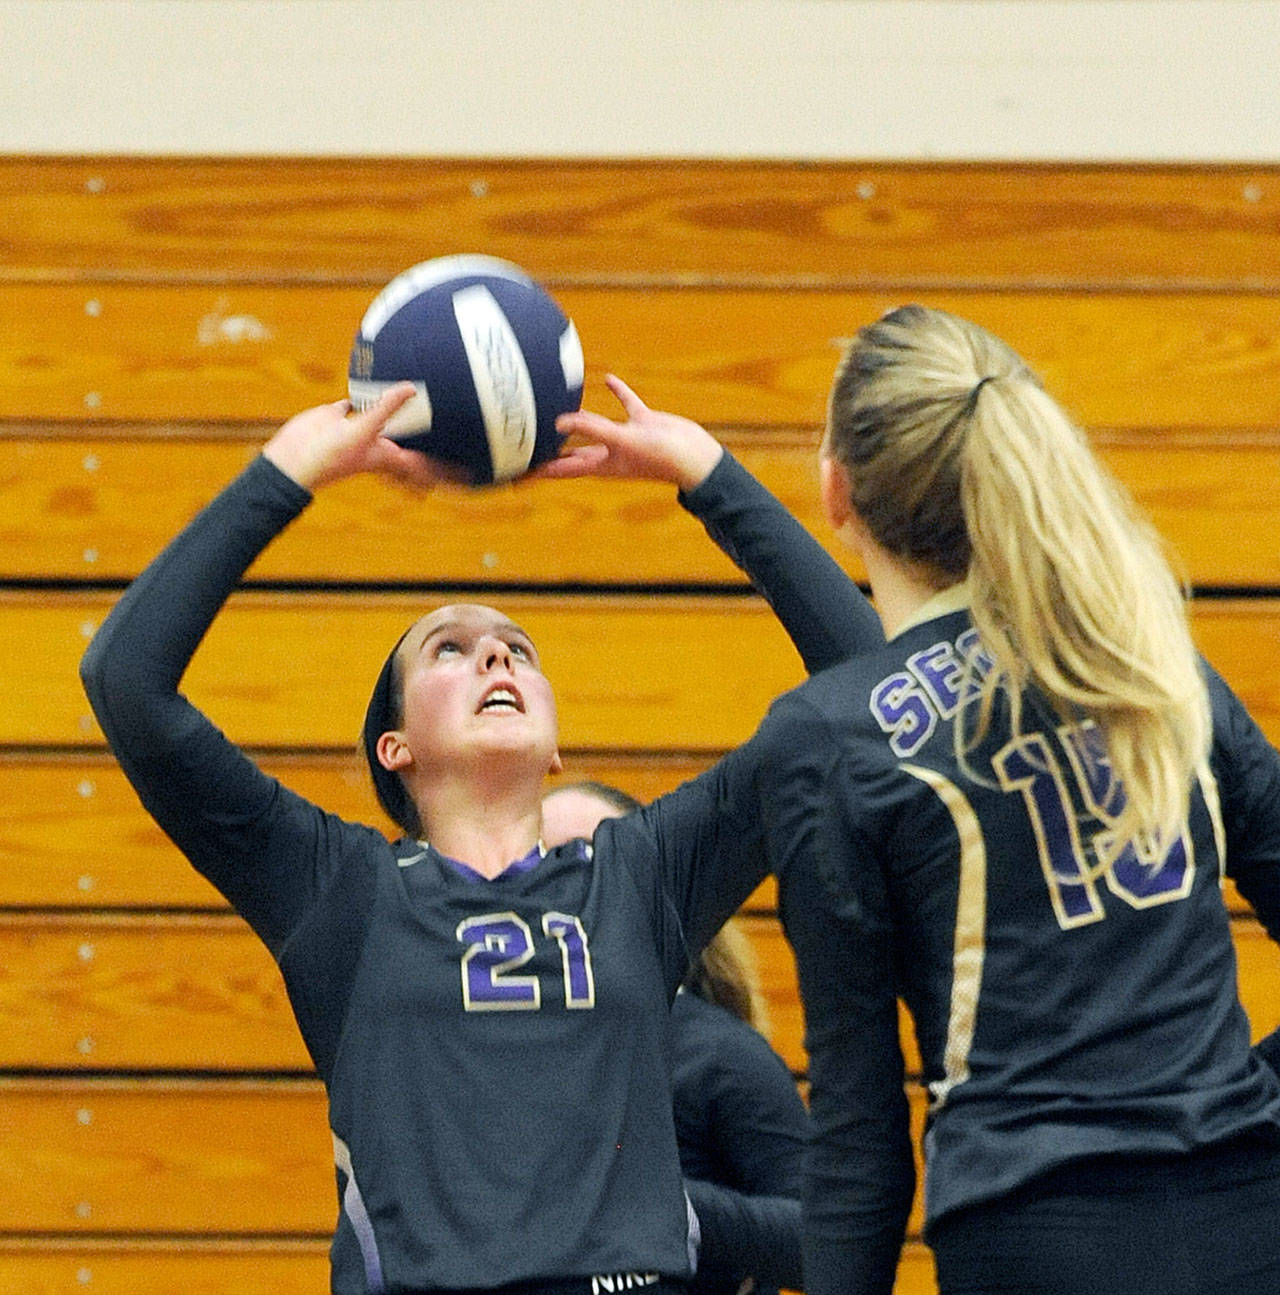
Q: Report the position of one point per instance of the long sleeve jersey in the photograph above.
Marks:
(1065, 1006)
(494, 1052)
(742, 1129)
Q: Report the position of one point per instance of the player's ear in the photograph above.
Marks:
(835, 491)
(393, 751)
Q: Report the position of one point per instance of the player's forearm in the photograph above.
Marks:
(821, 608)
(132, 667)
(745, 1235)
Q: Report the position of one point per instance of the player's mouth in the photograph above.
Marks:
(501, 700)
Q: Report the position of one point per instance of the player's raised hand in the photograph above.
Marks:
(334, 441)
(649, 444)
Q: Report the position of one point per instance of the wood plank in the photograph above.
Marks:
(1241, 638)
(196, 1266)
(143, 993)
(631, 673)
(145, 1266)
(200, 992)
(916, 1272)
(72, 833)
(197, 1157)
(750, 357)
(100, 507)
(1258, 960)
(52, 804)
(165, 1156)
(927, 223)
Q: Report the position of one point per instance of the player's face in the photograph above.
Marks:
(473, 687)
(572, 813)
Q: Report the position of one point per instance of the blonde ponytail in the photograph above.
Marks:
(962, 465)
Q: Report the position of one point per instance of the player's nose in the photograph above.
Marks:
(492, 653)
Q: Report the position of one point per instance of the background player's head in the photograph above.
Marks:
(461, 699)
(724, 973)
(575, 809)
(944, 453)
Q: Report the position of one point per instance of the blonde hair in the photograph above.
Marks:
(963, 466)
(725, 973)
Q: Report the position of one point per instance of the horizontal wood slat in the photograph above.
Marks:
(83, 1156)
(72, 833)
(748, 357)
(201, 992)
(146, 1266)
(100, 508)
(165, 1156)
(231, 1266)
(857, 222)
(678, 674)
(195, 1266)
(630, 673)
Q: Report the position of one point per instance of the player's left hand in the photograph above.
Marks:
(650, 445)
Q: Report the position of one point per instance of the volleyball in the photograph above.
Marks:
(492, 356)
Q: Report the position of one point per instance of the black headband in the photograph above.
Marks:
(379, 717)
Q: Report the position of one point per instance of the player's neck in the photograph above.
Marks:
(898, 589)
(487, 832)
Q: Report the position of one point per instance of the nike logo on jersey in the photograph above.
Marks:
(612, 1283)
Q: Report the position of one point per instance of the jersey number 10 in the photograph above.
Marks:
(1136, 875)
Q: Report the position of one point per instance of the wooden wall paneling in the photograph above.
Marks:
(73, 833)
(745, 357)
(99, 507)
(165, 1156)
(180, 1156)
(69, 1266)
(200, 992)
(629, 672)
(239, 1266)
(163, 1266)
(296, 671)
(927, 224)
(146, 992)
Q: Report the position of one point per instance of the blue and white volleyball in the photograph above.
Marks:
(493, 357)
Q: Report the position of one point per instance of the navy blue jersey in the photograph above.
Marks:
(741, 1129)
(1063, 1010)
(495, 1051)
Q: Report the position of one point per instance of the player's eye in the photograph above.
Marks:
(521, 649)
(448, 647)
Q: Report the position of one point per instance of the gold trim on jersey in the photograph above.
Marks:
(969, 947)
(1209, 790)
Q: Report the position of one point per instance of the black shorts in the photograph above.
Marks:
(1204, 1223)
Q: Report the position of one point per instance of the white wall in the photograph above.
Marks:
(992, 79)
